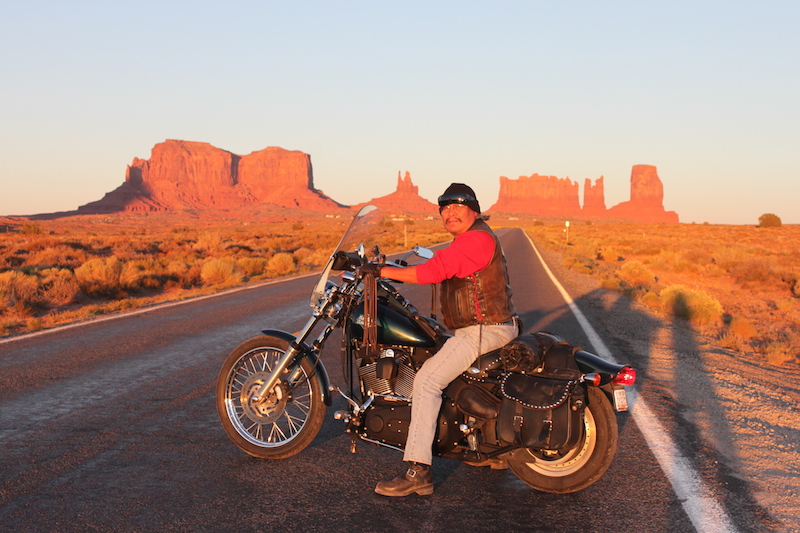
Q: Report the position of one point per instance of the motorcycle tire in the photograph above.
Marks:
(292, 414)
(567, 471)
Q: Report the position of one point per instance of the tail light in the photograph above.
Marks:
(626, 376)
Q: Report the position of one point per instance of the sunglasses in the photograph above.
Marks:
(454, 198)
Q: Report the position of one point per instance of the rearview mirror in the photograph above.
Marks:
(423, 252)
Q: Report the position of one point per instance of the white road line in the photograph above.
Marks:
(706, 514)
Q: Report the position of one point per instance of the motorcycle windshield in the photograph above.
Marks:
(362, 231)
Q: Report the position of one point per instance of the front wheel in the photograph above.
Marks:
(575, 469)
(291, 415)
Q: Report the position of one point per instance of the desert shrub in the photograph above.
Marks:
(608, 253)
(191, 277)
(742, 328)
(220, 272)
(769, 220)
(59, 286)
(58, 255)
(693, 305)
(697, 255)
(584, 247)
(610, 284)
(728, 257)
(635, 274)
(781, 351)
(281, 263)
(792, 280)
(754, 269)
(209, 241)
(647, 249)
(134, 275)
(731, 341)
(252, 266)
(670, 260)
(102, 277)
(651, 300)
(30, 228)
(581, 265)
(301, 254)
(19, 292)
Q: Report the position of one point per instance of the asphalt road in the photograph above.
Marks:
(111, 426)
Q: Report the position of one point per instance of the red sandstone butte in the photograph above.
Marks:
(548, 195)
(647, 197)
(186, 175)
(594, 201)
(541, 195)
(405, 199)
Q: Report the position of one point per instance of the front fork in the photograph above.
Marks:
(295, 348)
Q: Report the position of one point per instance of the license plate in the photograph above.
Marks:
(620, 399)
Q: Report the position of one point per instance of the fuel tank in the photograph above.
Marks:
(394, 327)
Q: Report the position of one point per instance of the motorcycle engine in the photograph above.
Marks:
(391, 373)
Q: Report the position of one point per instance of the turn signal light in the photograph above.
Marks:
(593, 379)
(626, 376)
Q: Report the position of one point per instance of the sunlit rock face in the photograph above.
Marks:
(540, 195)
(647, 198)
(405, 199)
(552, 196)
(594, 201)
(186, 175)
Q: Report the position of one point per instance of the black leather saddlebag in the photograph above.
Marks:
(540, 413)
(544, 409)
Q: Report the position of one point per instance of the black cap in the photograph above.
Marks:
(458, 193)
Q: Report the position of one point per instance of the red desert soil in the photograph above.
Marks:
(744, 411)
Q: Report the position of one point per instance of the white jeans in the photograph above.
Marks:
(456, 355)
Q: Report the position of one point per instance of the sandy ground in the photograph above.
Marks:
(735, 416)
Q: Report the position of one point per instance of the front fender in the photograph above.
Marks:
(321, 375)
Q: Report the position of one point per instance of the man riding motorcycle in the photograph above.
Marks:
(476, 303)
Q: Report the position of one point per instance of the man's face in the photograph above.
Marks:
(458, 218)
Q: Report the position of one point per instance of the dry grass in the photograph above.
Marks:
(738, 284)
(64, 270)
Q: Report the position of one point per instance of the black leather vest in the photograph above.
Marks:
(481, 298)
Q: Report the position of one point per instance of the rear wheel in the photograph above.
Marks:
(575, 469)
(289, 417)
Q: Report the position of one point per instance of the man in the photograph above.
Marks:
(476, 304)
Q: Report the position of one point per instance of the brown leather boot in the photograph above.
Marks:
(417, 478)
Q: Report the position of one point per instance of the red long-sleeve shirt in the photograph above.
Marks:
(469, 252)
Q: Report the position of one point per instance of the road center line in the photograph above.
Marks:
(705, 513)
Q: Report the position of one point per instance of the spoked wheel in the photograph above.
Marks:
(284, 422)
(575, 469)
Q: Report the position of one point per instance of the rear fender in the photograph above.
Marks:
(320, 374)
(591, 363)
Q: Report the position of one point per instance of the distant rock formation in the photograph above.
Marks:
(594, 200)
(541, 195)
(405, 199)
(548, 195)
(647, 198)
(185, 175)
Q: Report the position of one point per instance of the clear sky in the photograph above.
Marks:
(707, 91)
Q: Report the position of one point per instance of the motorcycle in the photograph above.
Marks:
(545, 407)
